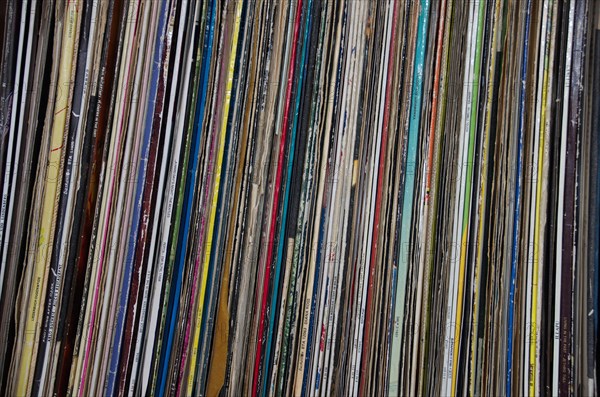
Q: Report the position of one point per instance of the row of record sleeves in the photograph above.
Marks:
(299, 197)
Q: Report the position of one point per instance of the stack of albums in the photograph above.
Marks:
(299, 197)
